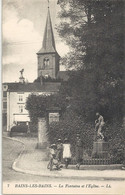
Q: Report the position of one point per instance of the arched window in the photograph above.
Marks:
(46, 62)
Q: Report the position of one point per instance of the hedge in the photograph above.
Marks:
(70, 125)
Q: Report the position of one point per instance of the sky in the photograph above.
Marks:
(23, 24)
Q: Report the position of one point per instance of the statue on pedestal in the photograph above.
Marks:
(100, 146)
(99, 124)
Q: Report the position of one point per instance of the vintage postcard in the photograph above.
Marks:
(63, 120)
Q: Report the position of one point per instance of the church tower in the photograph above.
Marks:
(48, 58)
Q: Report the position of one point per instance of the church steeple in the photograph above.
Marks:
(48, 39)
(48, 58)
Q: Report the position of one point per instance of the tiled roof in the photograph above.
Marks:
(33, 87)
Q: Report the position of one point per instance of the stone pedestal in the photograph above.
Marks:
(42, 133)
(100, 149)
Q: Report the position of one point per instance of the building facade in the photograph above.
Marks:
(14, 100)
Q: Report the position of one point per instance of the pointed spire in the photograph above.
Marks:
(48, 39)
(48, 3)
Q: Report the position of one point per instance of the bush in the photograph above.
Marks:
(37, 106)
(20, 128)
(118, 155)
(69, 125)
(33, 127)
(115, 135)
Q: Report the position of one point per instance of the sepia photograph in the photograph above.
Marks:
(63, 97)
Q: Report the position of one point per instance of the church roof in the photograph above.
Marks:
(48, 39)
(33, 87)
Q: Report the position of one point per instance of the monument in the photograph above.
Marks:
(100, 152)
(52, 115)
(100, 147)
(42, 133)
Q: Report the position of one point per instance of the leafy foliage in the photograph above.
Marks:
(94, 32)
(37, 105)
(80, 91)
(70, 124)
(68, 127)
(47, 79)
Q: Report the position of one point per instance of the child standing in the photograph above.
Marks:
(66, 152)
(53, 158)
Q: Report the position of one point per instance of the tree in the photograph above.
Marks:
(69, 125)
(37, 106)
(94, 32)
(80, 95)
(46, 79)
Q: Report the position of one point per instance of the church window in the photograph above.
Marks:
(46, 62)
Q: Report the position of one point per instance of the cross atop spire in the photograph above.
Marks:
(48, 39)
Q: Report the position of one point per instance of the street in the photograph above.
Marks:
(11, 150)
(22, 181)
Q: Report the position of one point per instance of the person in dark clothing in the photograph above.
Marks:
(59, 150)
(79, 151)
